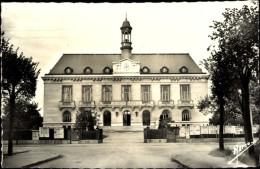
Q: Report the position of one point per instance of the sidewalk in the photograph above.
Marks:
(207, 159)
(23, 157)
(204, 160)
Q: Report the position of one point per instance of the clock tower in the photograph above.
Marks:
(126, 48)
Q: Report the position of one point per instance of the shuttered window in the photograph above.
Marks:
(165, 93)
(185, 92)
(126, 92)
(107, 93)
(86, 93)
(145, 89)
(67, 93)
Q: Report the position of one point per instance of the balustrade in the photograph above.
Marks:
(63, 104)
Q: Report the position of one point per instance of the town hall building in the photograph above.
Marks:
(127, 90)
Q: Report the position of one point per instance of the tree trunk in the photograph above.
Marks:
(11, 124)
(246, 115)
(221, 123)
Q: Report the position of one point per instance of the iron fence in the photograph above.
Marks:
(155, 134)
(18, 134)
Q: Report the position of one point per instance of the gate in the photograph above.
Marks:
(74, 135)
(173, 134)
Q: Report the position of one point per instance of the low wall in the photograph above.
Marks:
(90, 141)
(155, 140)
(53, 142)
(39, 142)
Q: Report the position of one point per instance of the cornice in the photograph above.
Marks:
(60, 78)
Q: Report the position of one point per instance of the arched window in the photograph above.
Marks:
(68, 70)
(185, 115)
(66, 116)
(107, 70)
(165, 114)
(145, 70)
(164, 70)
(183, 69)
(87, 70)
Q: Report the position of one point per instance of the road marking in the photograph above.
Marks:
(248, 145)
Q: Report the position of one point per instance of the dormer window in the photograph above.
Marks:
(68, 70)
(107, 70)
(183, 69)
(145, 70)
(87, 70)
(164, 70)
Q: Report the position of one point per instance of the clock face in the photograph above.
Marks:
(126, 67)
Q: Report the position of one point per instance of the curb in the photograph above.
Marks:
(178, 162)
(43, 161)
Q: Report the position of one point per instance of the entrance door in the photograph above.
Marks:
(146, 118)
(127, 118)
(107, 118)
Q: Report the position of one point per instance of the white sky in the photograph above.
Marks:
(47, 30)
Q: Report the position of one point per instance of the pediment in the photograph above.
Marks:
(126, 60)
(126, 66)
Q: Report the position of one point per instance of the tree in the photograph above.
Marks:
(238, 42)
(86, 120)
(26, 116)
(232, 113)
(19, 79)
(221, 89)
(255, 101)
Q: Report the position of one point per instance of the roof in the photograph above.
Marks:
(126, 23)
(97, 62)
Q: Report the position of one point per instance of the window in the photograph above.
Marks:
(183, 69)
(67, 93)
(185, 115)
(66, 116)
(107, 93)
(86, 93)
(164, 70)
(107, 70)
(145, 70)
(87, 70)
(165, 115)
(68, 70)
(185, 92)
(145, 89)
(165, 93)
(126, 90)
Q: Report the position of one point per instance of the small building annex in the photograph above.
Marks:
(127, 90)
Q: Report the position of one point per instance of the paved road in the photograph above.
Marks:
(127, 150)
(122, 150)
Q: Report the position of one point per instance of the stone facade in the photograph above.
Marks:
(124, 90)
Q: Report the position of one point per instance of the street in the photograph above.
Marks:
(128, 151)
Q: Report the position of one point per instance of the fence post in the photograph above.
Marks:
(100, 135)
(145, 135)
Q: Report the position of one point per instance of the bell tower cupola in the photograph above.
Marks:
(126, 48)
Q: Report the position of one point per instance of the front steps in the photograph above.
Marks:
(123, 128)
(122, 137)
